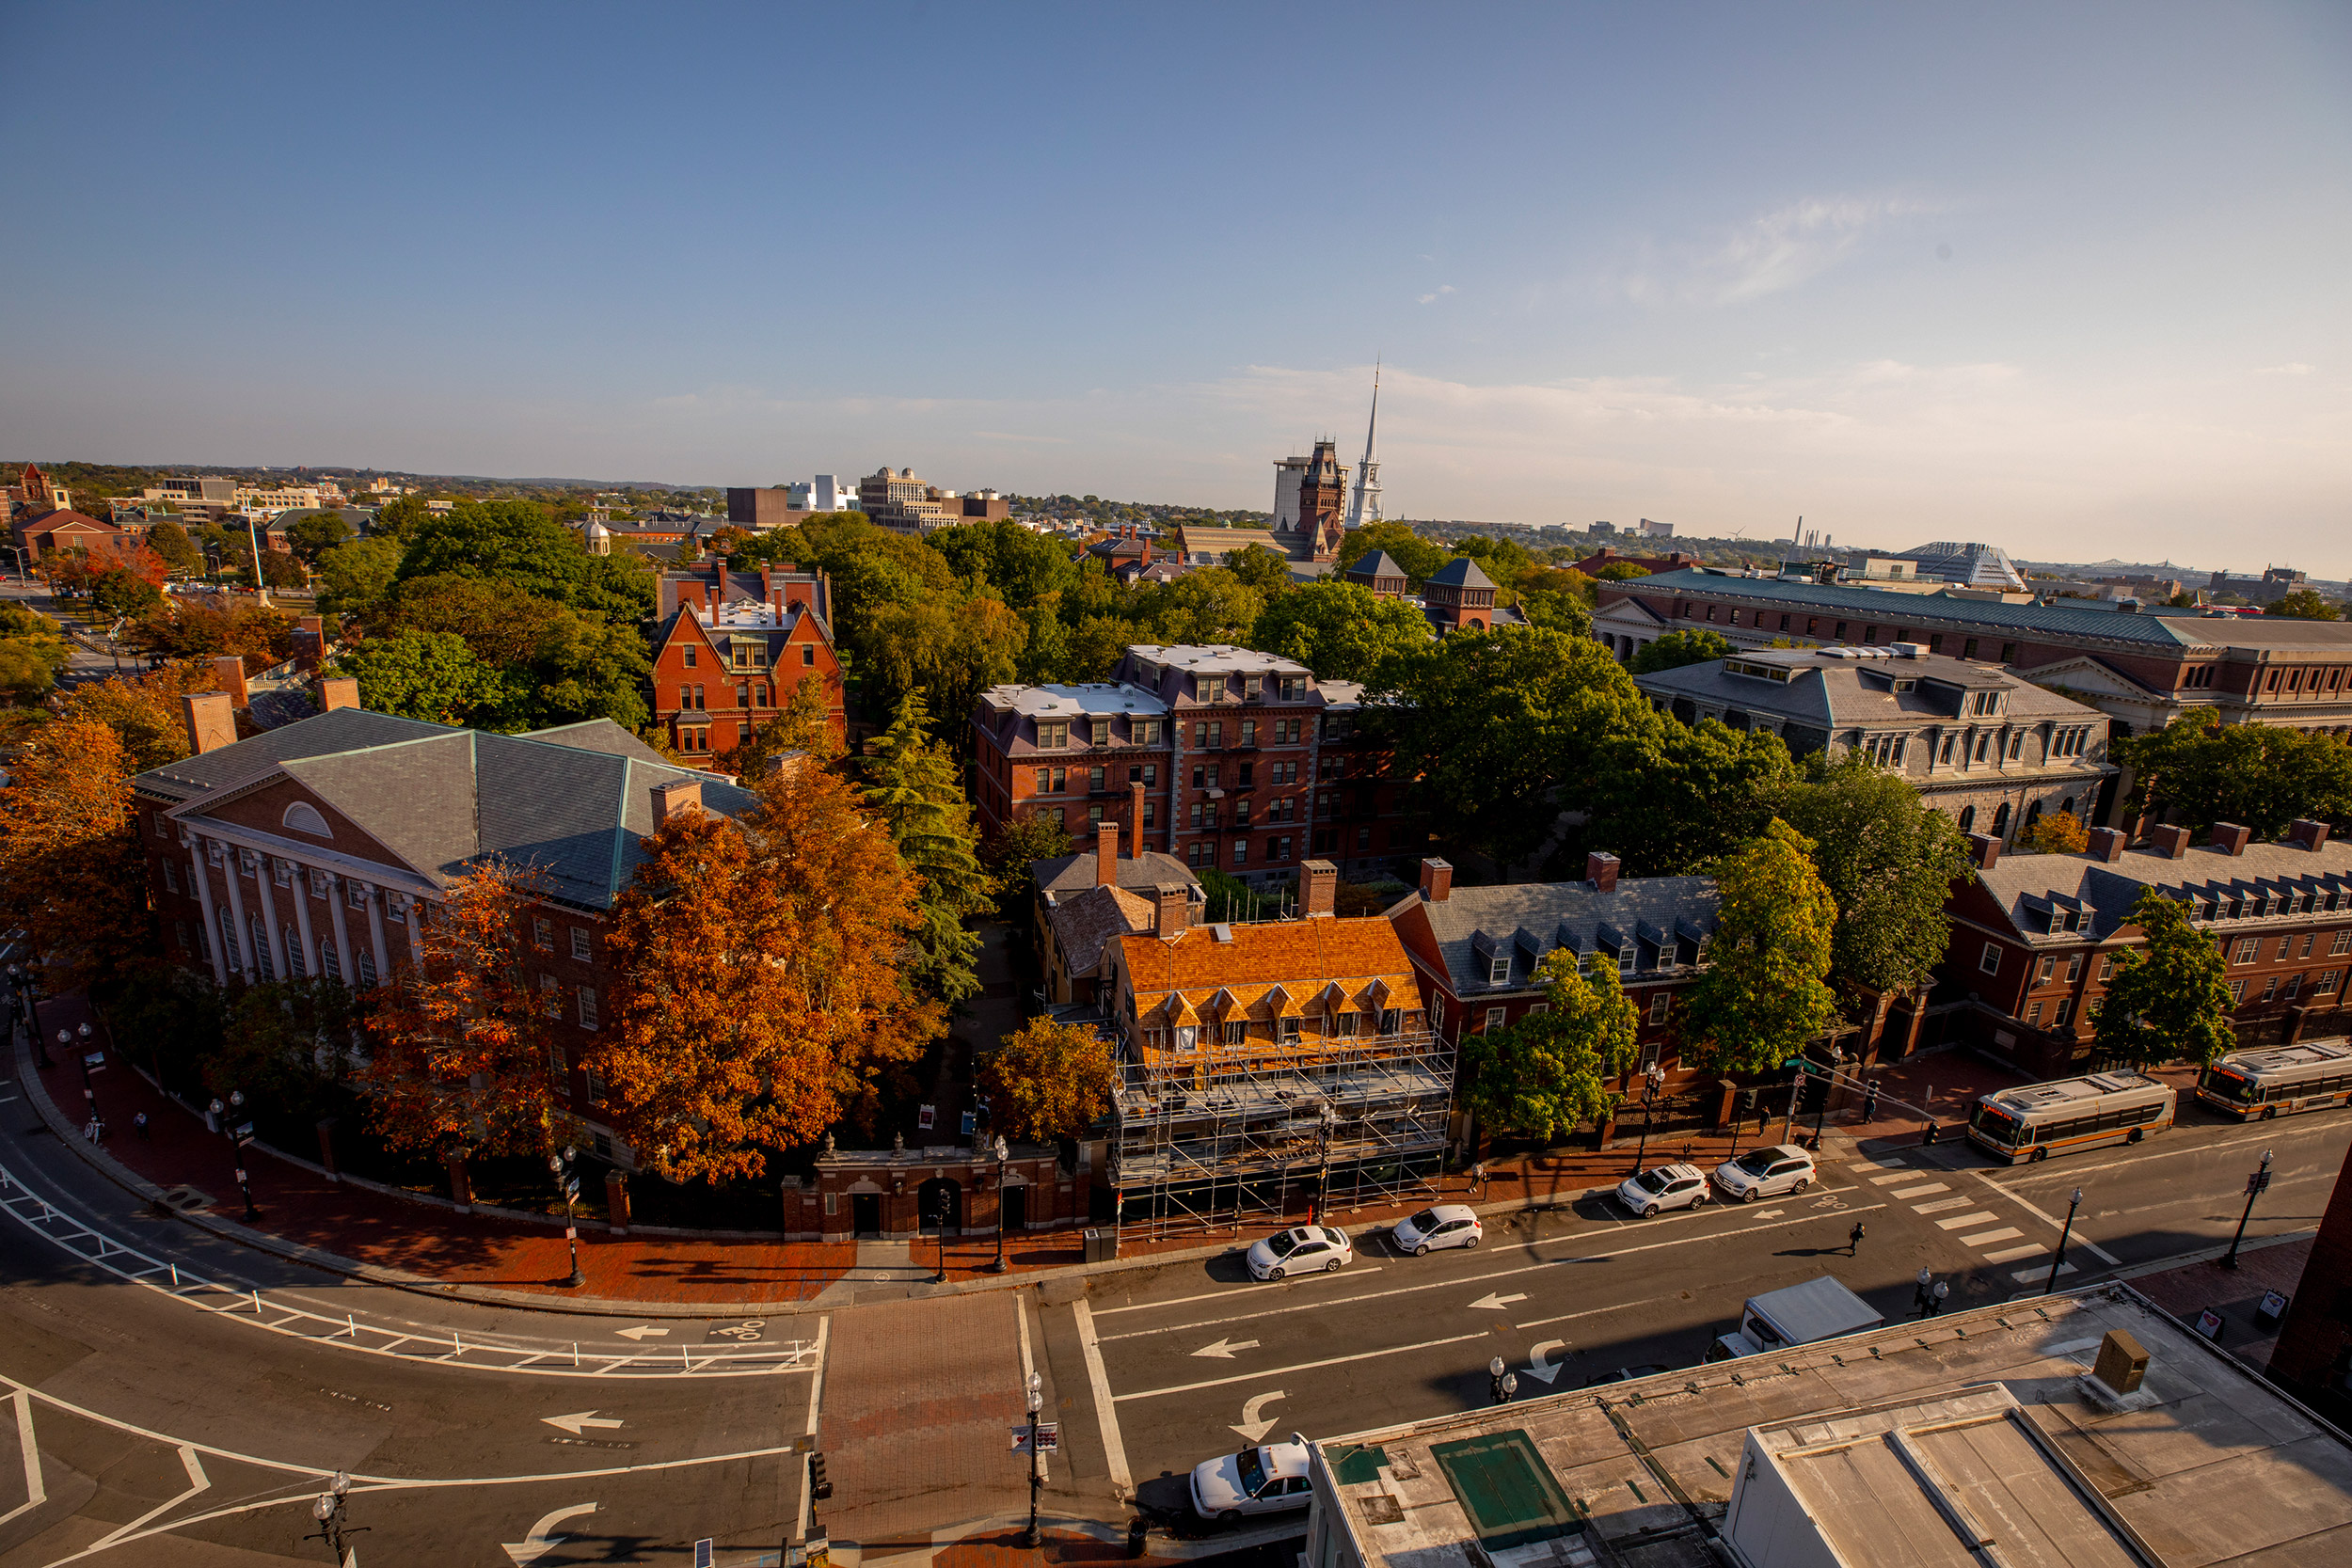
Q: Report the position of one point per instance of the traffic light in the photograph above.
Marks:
(1870, 1103)
(1747, 1099)
(818, 1487)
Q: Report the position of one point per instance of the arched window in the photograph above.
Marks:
(329, 964)
(2067, 805)
(1967, 819)
(2000, 821)
(2033, 815)
(261, 948)
(303, 817)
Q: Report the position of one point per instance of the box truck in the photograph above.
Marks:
(1817, 1309)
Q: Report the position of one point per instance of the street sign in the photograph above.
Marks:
(968, 1124)
(702, 1553)
(819, 1552)
(244, 1133)
(1048, 1437)
(927, 1118)
(95, 1061)
(2257, 1182)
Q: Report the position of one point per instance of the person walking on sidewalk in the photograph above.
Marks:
(1854, 1240)
(138, 1125)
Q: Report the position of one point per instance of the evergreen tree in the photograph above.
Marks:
(912, 786)
(2171, 999)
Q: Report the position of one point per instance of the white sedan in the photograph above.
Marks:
(1650, 1192)
(1309, 1246)
(1268, 1480)
(1445, 1225)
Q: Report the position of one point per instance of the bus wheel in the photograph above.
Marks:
(2038, 1156)
(2138, 1134)
(2270, 1112)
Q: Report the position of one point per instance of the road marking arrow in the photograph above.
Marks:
(1223, 1350)
(584, 1419)
(1772, 1214)
(1493, 1303)
(531, 1547)
(1254, 1422)
(642, 1332)
(1538, 1367)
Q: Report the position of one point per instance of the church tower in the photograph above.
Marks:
(1364, 506)
(1322, 494)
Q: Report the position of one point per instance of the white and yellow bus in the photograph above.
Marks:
(2278, 1078)
(2042, 1119)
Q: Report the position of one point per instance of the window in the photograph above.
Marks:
(742, 695)
(1969, 649)
(560, 1069)
(808, 655)
(1098, 779)
(2042, 969)
(1499, 967)
(1278, 849)
(1625, 960)
(1660, 1005)
(162, 829)
(2326, 986)
(692, 655)
(590, 1081)
(2033, 1015)
(2059, 1013)
(2295, 982)
(356, 894)
(1494, 1021)
(1437, 1010)
(1391, 1019)
(1052, 738)
(1250, 732)
(331, 962)
(2106, 967)
(1991, 962)
(551, 995)
(587, 1007)
(2287, 948)
(2237, 992)
(1241, 851)
(543, 933)
(2270, 987)
(367, 966)
(2246, 951)
(2341, 945)
(2009, 653)
(2074, 968)
(171, 881)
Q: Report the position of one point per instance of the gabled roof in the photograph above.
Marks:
(1083, 923)
(50, 522)
(2104, 891)
(1556, 914)
(1067, 874)
(1298, 956)
(1380, 563)
(1461, 572)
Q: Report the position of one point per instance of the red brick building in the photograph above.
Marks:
(731, 647)
(890, 1194)
(2314, 1357)
(2035, 938)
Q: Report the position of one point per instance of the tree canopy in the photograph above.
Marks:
(2304, 604)
(1890, 863)
(2168, 1000)
(1679, 648)
(1420, 557)
(1340, 631)
(1048, 1081)
(2058, 833)
(1764, 993)
(1544, 1075)
(2260, 776)
(912, 786)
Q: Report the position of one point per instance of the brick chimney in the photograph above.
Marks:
(1135, 819)
(1986, 851)
(1318, 888)
(2170, 841)
(228, 675)
(1172, 908)
(211, 718)
(334, 692)
(678, 795)
(309, 642)
(1437, 880)
(2309, 834)
(1106, 854)
(2106, 843)
(1600, 869)
(2230, 838)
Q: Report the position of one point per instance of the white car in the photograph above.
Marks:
(1297, 1251)
(1765, 1173)
(1268, 1480)
(1650, 1192)
(1446, 1225)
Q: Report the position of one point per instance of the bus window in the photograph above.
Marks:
(1997, 1126)
(2227, 1084)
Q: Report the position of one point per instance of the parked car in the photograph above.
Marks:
(1650, 1192)
(1443, 1226)
(1765, 1173)
(1268, 1480)
(1296, 1251)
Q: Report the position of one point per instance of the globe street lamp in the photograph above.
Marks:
(1326, 1121)
(236, 1149)
(329, 1512)
(1501, 1384)
(1927, 1297)
(89, 1091)
(2058, 1259)
(1037, 1402)
(1653, 1078)
(559, 1165)
(1003, 1151)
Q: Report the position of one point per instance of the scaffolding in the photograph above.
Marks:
(1203, 1145)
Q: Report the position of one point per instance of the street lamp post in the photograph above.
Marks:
(1652, 1077)
(1836, 1059)
(329, 1512)
(1030, 1537)
(2255, 1185)
(1796, 1088)
(2058, 1259)
(89, 1090)
(560, 1166)
(1003, 1151)
(1326, 1120)
(236, 1151)
(1927, 1296)
(1500, 1383)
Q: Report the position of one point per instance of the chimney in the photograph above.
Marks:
(228, 675)
(1437, 880)
(2230, 838)
(1173, 908)
(1135, 817)
(334, 692)
(1318, 888)
(678, 795)
(1600, 869)
(2106, 843)
(1986, 851)
(211, 719)
(1106, 854)
(2309, 834)
(309, 640)
(2171, 841)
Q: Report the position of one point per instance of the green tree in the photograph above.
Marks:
(1679, 648)
(519, 546)
(1420, 558)
(356, 574)
(314, 533)
(1763, 995)
(1016, 846)
(1340, 631)
(1545, 1076)
(944, 649)
(1620, 571)
(170, 541)
(1268, 571)
(1208, 604)
(1890, 863)
(117, 591)
(399, 518)
(2261, 776)
(2305, 605)
(1020, 564)
(1665, 797)
(424, 674)
(912, 785)
(2168, 1000)
(29, 667)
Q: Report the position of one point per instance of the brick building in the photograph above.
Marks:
(760, 510)
(1988, 750)
(730, 648)
(893, 1194)
(316, 848)
(1459, 596)
(2313, 1356)
(1084, 900)
(2035, 937)
(1379, 571)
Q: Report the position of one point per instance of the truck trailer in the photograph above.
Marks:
(1799, 1315)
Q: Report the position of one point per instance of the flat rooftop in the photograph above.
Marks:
(1968, 1438)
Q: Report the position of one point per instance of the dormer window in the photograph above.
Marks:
(1102, 732)
(1981, 704)
(1624, 958)
(1052, 737)
(1294, 689)
(1250, 686)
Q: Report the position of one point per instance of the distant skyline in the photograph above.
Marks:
(2066, 280)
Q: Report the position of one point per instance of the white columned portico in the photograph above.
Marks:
(264, 879)
(244, 938)
(375, 933)
(302, 918)
(335, 899)
(212, 917)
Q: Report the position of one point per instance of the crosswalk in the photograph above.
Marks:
(1962, 1216)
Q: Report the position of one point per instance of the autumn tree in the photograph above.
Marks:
(2058, 833)
(2170, 999)
(1048, 1081)
(1763, 995)
(762, 997)
(461, 1045)
(1546, 1075)
(912, 785)
(801, 726)
(71, 873)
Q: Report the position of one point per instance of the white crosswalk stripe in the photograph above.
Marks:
(1898, 1176)
(1985, 1238)
(1984, 1216)
(1920, 1191)
(2011, 1254)
(1942, 1205)
(2030, 1275)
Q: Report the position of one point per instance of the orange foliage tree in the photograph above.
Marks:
(762, 996)
(460, 1047)
(69, 866)
(1049, 1081)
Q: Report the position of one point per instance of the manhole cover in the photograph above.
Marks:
(186, 1198)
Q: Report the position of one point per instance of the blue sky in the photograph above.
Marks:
(2069, 279)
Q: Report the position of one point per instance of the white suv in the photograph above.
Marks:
(1650, 1192)
(1765, 1173)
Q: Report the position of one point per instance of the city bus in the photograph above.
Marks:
(2307, 1077)
(2042, 1119)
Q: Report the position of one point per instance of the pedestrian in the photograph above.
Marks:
(1853, 1240)
(1478, 1178)
(138, 1125)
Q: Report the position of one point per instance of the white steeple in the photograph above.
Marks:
(1364, 505)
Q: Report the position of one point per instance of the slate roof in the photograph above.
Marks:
(2028, 887)
(1082, 924)
(574, 803)
(1829, 692)
(1067, 874)
(1665, 918)
(1461, 572)
(1380, 563)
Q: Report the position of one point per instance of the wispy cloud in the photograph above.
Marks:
(1769, 254)
(2293, 366)
(1443, 289)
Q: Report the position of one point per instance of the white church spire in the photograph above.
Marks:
(1364, 505)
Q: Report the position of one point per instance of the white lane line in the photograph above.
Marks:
(197, 1481)
(2011, 1254)
(1982, 1216)
(1224, 1294)
(1944, 1205)
(1920, 1191)
(2028, 1275)
(1888, 1164)
(1591, 1312)
(1105, 1413)
(1479, 1278)
(2088, 1246)
(2225, 1146)
(1303, 1366)
(34, 1493)
(1985, 1238)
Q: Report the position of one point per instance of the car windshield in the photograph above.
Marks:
(1651, 1180)
(1285, 1244)
(2229, 1083)
(1757, 1162)
(1424, 1222)
(1333, 1237)
(1252, 1472)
